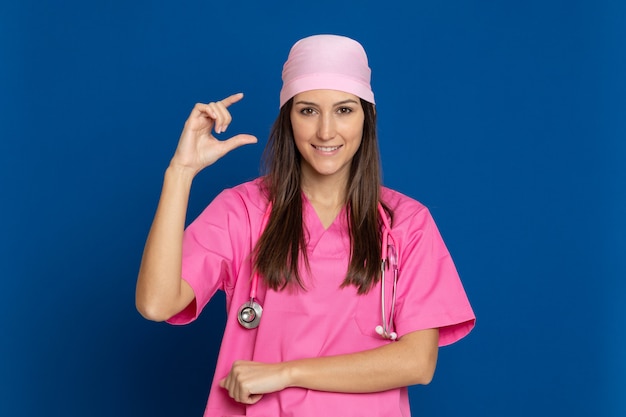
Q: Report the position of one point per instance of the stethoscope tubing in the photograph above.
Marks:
(389, 259)
(249, 314)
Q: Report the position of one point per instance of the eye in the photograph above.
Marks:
(344, 110)
(307, 111)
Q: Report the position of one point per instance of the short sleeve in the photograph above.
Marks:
(430, 292)
(214, 246)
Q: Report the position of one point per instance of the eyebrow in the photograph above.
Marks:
(310, 103)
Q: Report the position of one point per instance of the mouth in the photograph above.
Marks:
(326, 148)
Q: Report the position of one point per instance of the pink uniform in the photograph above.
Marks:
(325, 319)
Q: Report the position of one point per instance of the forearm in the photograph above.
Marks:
(159, 285)
(409, 361)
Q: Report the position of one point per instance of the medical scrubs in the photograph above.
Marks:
(323, 319)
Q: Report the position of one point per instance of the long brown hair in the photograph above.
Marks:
(283, 241)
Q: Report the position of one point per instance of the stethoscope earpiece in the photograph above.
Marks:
(385, 335)
(249, 315)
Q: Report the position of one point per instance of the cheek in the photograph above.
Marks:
(354, 130)
(300, 140)
(300, 131)
(357, 136)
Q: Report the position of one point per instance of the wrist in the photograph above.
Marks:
(180, 173)
(291, 373)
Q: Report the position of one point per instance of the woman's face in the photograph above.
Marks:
(328, 129)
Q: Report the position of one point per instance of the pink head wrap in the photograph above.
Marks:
(326, 62)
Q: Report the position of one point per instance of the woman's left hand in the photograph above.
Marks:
(248, 381)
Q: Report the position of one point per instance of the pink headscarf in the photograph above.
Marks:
(327, 62)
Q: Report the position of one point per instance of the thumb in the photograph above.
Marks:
(239, 140)
(254, 398)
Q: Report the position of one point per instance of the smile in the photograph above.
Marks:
(327, 148)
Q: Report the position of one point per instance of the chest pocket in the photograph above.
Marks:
(369, 313)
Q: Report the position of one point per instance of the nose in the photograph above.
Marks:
(326, 128)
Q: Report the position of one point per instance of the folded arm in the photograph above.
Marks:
(409, 361)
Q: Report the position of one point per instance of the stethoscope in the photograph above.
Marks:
(249, 314)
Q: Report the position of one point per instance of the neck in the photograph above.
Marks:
(329, 192)
(327, 195)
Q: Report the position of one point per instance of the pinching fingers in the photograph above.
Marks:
(221, 115)
(221, 107)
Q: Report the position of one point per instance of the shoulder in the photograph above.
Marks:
(250, 195)
(236, 205)
(400, 204)
(409, 215)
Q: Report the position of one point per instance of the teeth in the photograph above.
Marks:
(327, 148)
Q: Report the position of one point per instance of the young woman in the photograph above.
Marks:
(339, 291)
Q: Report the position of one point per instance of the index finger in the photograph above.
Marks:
(232, 99)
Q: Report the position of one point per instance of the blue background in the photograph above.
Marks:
(505, 118)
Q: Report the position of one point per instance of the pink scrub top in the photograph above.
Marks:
(324, 319)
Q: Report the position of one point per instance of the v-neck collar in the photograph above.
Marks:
(314, 227)
(311, 216)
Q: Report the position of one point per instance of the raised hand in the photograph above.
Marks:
(197, 147)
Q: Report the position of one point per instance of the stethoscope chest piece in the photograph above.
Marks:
(249, 314)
